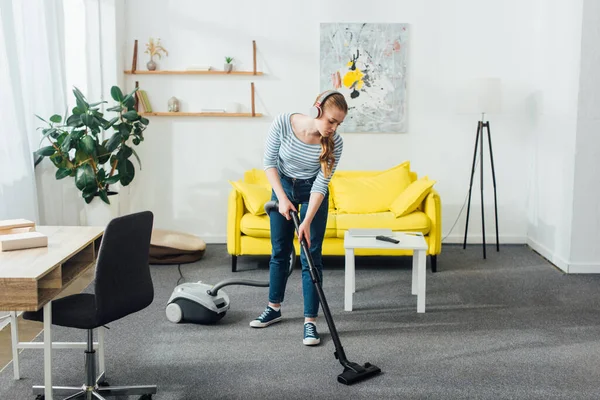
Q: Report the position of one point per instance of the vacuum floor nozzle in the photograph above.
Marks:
(356, 373)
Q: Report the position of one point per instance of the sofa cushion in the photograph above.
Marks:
(259, 226)
(369, 194)
(413, 196)
(416, 221)
(255, 196)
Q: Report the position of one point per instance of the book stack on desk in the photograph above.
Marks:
(19, 234)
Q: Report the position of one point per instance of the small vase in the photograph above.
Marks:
(227, 67)
(151, 65)
(173, 104)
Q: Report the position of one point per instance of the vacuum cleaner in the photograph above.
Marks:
(202, 303)
(205, 304)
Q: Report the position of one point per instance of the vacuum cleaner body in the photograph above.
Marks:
(190, 302)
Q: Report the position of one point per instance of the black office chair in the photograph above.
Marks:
(123, 285)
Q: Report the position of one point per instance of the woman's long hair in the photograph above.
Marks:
(327, 158)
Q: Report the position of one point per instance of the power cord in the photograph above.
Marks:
(180, 275)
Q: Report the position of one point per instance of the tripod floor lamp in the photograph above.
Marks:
(488, 99)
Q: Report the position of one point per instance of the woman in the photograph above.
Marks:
(301, 154)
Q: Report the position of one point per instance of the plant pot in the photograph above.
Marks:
(98, 213)
(227, 67)
(151, 65)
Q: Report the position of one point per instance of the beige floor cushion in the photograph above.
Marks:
(171, 247)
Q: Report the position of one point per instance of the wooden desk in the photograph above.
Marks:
(30, 279)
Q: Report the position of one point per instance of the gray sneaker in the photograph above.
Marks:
(268, 317)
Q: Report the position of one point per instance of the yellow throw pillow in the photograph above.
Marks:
(255, 196)
(369, 194)
(409, 200)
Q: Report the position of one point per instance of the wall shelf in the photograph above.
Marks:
(191, 72)
(199, 114)
(254, 72)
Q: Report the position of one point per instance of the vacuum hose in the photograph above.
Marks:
(269, 206)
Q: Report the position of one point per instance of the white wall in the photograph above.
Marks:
(585, 252)
(187, 161)
(552, 155)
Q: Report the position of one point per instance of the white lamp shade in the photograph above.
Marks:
(481, 95)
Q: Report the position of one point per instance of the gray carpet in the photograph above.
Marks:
(509, 327)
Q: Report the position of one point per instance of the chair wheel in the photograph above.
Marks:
(40, 397)
(146, 397)
(104, 383)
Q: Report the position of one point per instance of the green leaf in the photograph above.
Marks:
(101, 174)
(42, 119)
(126, 171)
(103, 154)
(46, 151)
(82, 104)
(89, 120)
(104, 196)
(114, 142)
(129, 101)
(77, 111)
(88, 199)
(116, 93)
(85, 179)
(144, 121)
(56, 118)
(62, 173)
(131, 115)
(98, 103)
(115, 108)
(88, 145)
(113, 179)
(110, 123)
(136, 141)
(66, 144)
(125, 152)
(47, 132)
(137, 157)
(75, 120)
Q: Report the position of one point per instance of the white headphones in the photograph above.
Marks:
(316, 111)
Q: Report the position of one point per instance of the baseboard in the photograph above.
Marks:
(561, 263)
(489, 239)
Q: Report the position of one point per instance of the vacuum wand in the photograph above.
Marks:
(353, 372)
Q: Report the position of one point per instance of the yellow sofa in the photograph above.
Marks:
(357, 199)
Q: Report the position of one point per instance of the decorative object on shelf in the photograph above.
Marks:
(173, 104)
(369, 68)
(143, 100)
(154, 49)
(77, 149)
(228, 65)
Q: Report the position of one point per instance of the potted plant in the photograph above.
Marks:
(77, 148)
(228, 65)
(154, 49)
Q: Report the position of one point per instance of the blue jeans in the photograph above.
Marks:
(282, 236)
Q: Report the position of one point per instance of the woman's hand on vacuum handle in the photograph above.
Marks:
(285, 205)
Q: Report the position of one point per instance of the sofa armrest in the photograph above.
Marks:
(235, 212)
(433, 209)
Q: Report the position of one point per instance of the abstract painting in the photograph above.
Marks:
(367, 63)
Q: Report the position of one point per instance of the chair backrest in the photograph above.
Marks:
(123, 282)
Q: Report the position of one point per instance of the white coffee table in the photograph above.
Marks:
(408, 241)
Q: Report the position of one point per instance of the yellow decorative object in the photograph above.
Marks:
(353, 78)
(410, 199)
(255, 196)
(249, 234)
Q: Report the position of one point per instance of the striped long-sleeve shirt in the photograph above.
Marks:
(296, 159)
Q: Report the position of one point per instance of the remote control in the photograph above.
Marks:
(387, 239)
